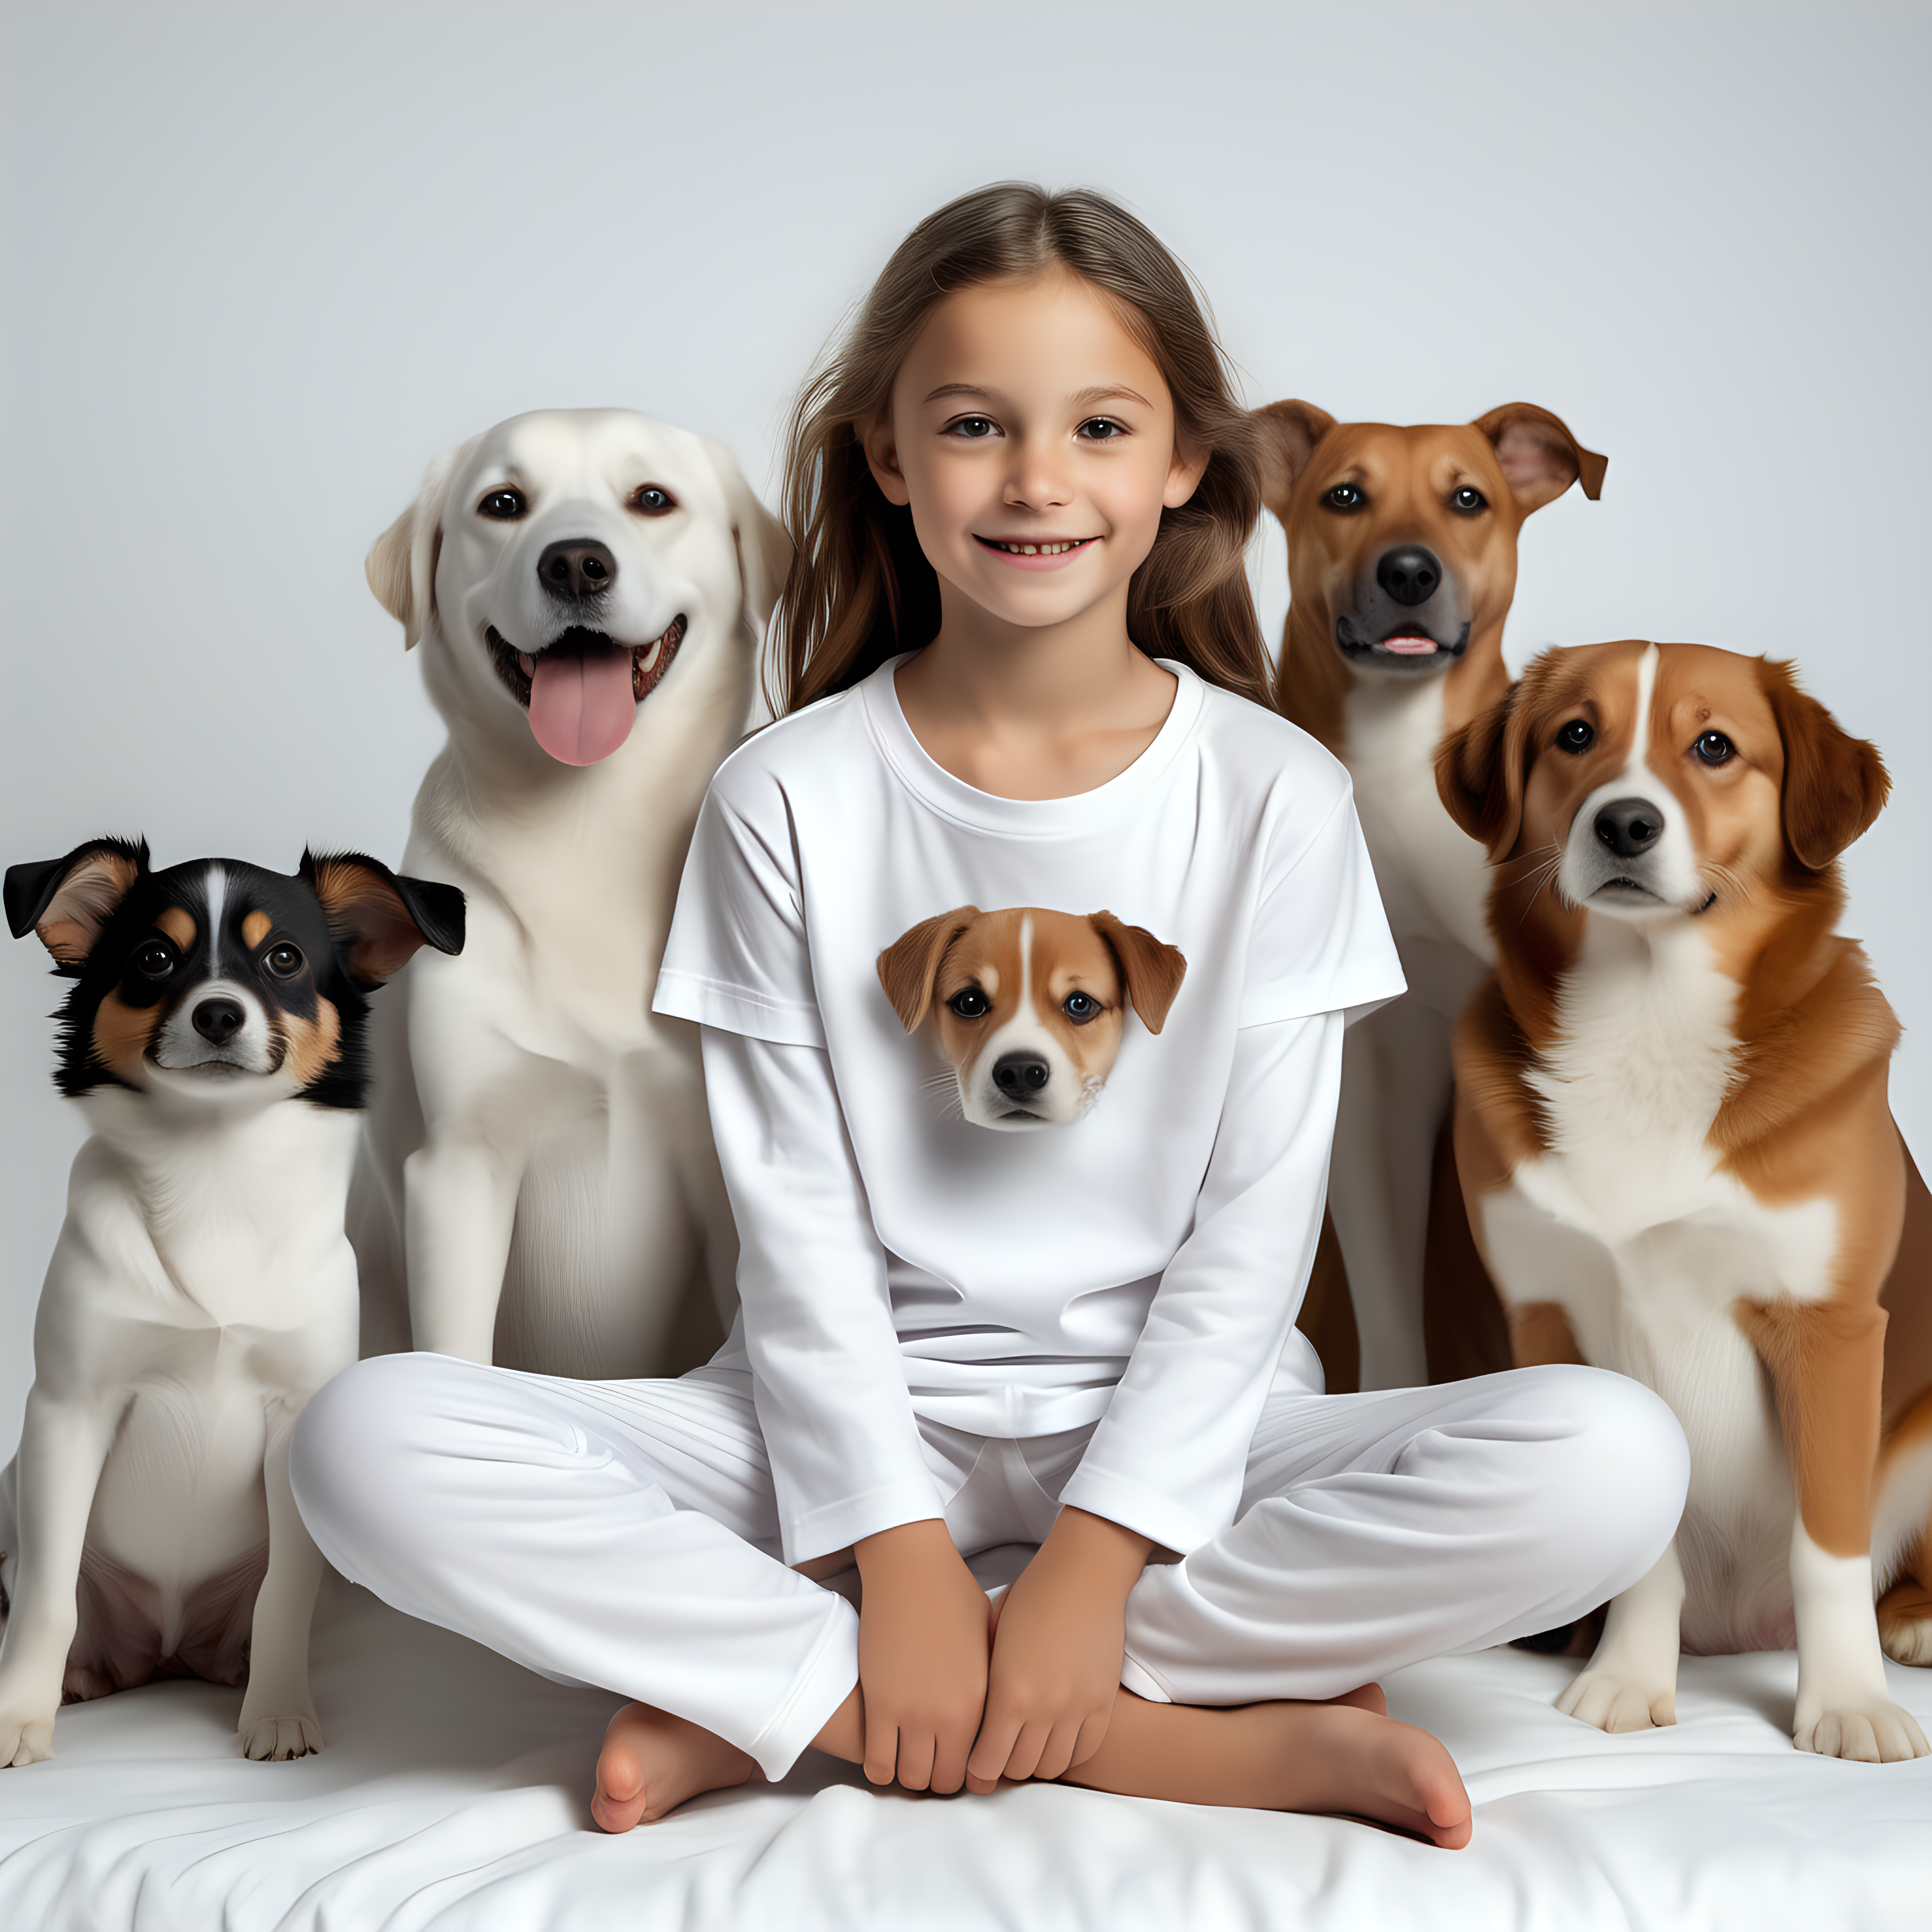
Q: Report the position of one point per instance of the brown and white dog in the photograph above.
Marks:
(1679, 1161)
(1029, 1004)
(1402, 561)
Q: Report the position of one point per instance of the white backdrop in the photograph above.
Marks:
(262, 262)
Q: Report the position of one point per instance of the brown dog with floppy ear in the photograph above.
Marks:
(1029, 1004)
(1402, 562)
(1674, 1141)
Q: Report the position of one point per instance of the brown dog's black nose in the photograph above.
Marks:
(577, 567)
(1409, 573)
(1629, 826)
(1021, 1076)
(218, 1020)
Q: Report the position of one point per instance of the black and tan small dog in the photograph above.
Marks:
(203, 1287)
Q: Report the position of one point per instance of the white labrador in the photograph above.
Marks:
(589, 588)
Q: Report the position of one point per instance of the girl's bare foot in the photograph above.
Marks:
(1341, 1757)
(651, 1761)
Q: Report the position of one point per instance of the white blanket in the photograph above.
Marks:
(452, 1795)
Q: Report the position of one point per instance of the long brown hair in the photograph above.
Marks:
(861, 590)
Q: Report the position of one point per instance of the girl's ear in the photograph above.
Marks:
(1151, 971)
(1183, 474)
(908, 967)
(882, 457)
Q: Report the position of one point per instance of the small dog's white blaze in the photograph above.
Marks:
(217, 897)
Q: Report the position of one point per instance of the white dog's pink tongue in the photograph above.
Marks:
(581, 708)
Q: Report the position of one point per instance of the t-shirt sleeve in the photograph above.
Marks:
(1320, 942)
(737, 957)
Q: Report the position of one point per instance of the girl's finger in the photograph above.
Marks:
(917, 1748)
(949, 1761)
(1093, 1736)
(1024, 1758)
(1057, 1753)
(882, 1752)
(994, 1746)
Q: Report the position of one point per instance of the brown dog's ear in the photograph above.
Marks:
(65, 902)
(1289, 431)
(401, 563)
(1540, 458)
(1150, 971)
(1834, 784)
(377, 918)
(908, 967)
(1480, 774)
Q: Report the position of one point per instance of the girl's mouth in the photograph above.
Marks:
(1036, 551)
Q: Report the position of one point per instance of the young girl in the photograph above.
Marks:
(1023, 674)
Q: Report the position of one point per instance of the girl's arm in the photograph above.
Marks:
(1167, 1463)
(847, 1462)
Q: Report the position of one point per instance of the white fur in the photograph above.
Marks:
(201, 1291)
(1395, 1064)
(541, 1152)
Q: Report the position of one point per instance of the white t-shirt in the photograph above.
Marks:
(1000, 1282)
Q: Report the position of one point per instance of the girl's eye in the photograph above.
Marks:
(1098, 430)
(1467, 501)
(1080, 1007)
(970, 1003)
(648, 500)
(154, 961)
(1579, 735)
(505, 506)
(284, 961)
(1715, 749)
(975, 429)
(1345, 496)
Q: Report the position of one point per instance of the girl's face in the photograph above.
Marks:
(1033, 439)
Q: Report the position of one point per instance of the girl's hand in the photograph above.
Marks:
(924, 1635)
(1061, 1631)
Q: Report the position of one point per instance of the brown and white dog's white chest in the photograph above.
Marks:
(1433, 876)
(1628, 1223)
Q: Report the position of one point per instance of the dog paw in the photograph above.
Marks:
(1614, 1702)
(1878, 1732)
(1905, 1622)
(25, 1737)
(276, 1738)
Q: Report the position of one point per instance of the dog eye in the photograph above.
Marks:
(1345, 496)
(1715, 749)
(650, 499)
(503, 504)
(154, 961)
(1079, 1007)
(1579, 735)
(970, 1003)
(1468, 501)
(285, 961)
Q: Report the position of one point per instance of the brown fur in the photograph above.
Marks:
(376, 931)
(178, 923)
(74, 916)
(255, 928)
(1806, 1115)
(122, 1035)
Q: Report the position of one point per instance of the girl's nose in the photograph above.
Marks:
(1038, 478)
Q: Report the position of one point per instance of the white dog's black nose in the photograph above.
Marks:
(218, 1020)
(576, 568)
(1629, 826)
(1409, 573)
(1021, 1076)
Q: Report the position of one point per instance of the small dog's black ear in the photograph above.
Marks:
(1151, 970)
(908, 967)
(378, 918)
(68, 901)
(1540, 458)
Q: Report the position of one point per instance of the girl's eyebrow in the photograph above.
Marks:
(1085, 399)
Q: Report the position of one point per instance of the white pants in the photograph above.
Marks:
(625, 1534)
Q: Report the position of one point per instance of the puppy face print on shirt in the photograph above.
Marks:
(1027, 1006)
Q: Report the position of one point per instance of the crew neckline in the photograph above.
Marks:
(953, 798)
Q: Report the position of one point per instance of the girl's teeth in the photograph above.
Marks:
(1037, 549)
